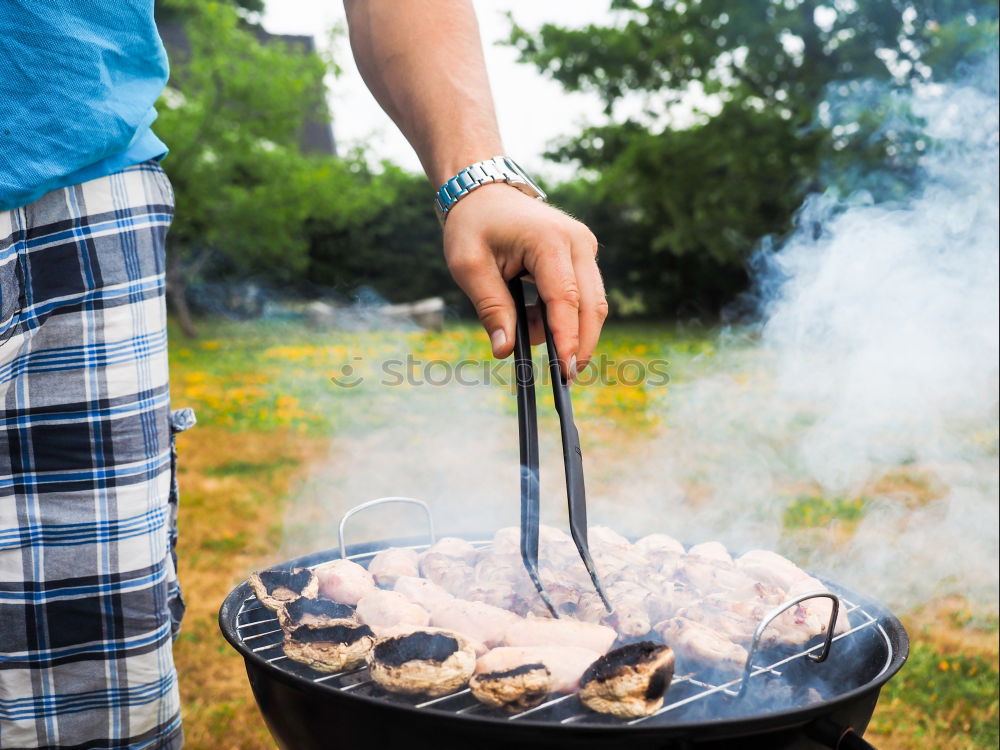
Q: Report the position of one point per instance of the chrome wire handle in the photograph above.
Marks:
(774, 614)
(380, 501)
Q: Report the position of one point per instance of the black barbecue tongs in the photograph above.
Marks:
(527, 422)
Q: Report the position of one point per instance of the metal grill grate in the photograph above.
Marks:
(258, 628)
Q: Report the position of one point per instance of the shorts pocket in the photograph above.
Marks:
(12, 298)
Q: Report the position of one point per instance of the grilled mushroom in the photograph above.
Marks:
(276, 588)
(314, 613)
(630, 681)
(513, 690)
(426, 661)
(329, 649)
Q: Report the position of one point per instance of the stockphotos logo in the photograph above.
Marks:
(413, 372)
(349, 376)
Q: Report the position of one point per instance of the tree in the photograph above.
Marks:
(733, 125)
(231, 115)
(392, 246)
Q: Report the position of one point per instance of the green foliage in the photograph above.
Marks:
(392, 246)
(941, 693)
(733, 127)
(249, 202)
(231, 115)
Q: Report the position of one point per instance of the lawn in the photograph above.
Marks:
(281, 448)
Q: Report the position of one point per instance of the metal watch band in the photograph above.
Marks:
(497, 169)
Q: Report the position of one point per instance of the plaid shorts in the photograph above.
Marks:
(86, 575)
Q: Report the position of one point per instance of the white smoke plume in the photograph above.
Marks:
(875, 377)
(872, 375)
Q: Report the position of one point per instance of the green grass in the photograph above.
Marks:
(265, 376)
(938, 694)
(241, 468)
(812, 511)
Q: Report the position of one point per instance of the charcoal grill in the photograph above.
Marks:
(306, 710)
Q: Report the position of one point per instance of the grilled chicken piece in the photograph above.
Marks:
(709, 576)
(631, 602)
(820, 608)
(555, 543)
(711, 551)
(666, 597)
(381, 610)
(630, 681)
(393, 563)
(452, 546)
(665, 565)
(452, 574)
(740, 617)
(474, 620)
(422, 591)
(344, 581)
(537, 631)
(551, 541)
(771, 568)
(314, 613)
(329, 649)
(507, 542)
(502, 595)
(505, 569)
(655, 545)
(602, 538)
(694, 642)
(729, 624)
(566, 664)
(276, 588)
(422, 662)
(511, 689)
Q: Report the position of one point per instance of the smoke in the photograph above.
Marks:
(873, 385)
(853, 426)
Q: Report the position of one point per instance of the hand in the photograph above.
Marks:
(496, 232)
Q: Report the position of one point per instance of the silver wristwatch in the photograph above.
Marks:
(497, 169)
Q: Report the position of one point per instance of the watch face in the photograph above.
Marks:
(535, 191)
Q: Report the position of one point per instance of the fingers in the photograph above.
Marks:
(554, 274)
(536, 331)
(476, 272)
(593, 302)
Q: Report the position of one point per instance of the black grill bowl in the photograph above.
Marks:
(306, 715)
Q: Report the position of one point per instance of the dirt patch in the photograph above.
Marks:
(230, 523)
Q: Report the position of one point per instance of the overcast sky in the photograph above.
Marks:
(532, 110)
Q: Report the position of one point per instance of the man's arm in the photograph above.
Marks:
(423, 61)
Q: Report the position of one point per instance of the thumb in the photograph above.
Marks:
(478, 276)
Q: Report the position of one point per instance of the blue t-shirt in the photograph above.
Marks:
(78, 80)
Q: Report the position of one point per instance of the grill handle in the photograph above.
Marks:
(837, 737)
(774, 614)
(381, 501)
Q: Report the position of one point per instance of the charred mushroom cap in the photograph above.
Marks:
(426, 661)
(329, 649)
(630, 681)
(314, 613)
(275, 588)
(513, 690)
